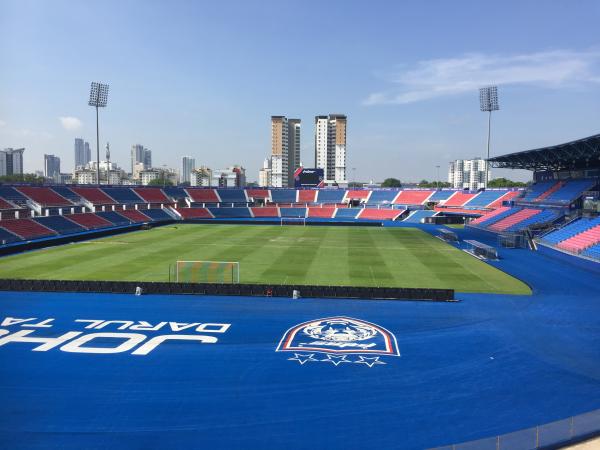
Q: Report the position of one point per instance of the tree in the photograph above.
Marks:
(504, 182)
(391, 182)
(160, 182)
(22, 178)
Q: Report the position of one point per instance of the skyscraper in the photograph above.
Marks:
(468, 173)
(52, 167)
(83, 154)
(139, 154)
(87, 152)
(285, 150)
(11, 161)
(330, 147)
(188, 164)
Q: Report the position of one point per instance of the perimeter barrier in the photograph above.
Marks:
(259, 290)
(548, 436)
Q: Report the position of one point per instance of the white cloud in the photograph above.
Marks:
(442, 77)
(70, 123)
(2, 123)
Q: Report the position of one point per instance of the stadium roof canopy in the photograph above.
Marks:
(580, 154)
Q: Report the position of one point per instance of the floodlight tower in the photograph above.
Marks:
(488, 102)
(98, 98)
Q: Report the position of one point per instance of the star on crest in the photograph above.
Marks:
(369, 361)
(335, 359)
(303, 358)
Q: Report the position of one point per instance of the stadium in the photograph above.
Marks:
(149, 317)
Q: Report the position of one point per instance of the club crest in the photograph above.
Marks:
(339, 340)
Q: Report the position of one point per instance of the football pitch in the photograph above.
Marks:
(319, 255)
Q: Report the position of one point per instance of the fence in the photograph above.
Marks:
(551, 435)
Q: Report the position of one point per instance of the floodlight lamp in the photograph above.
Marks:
(488, 98)
(98, 95)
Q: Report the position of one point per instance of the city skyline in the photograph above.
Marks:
(410, 90)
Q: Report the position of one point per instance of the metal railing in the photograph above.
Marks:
(561, 432)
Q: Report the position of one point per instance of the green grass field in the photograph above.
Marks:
(354, 256)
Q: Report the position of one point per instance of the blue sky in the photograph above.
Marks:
(203, 78)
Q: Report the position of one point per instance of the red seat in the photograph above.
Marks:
(94, 195)
(195, 213)
(489, 215)
(459, 199)
(90, 221)
(27, 228)
(379, 214)
(268, 211)
(324, 213)
(257, 193)
(506, 197)
(357, 195)
(203, 195)
(514, 219)
(5, 205)
(152, 195)
(581, 241)
(134, 215)
(44, 196)
(412, 197)
(307, 196)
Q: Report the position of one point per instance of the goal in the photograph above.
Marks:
(293, 221)
(207, 272)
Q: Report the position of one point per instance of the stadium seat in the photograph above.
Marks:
(6, 237)
(459, 198)
(12, 195)
(307, 196)
(330, 196)
(157, 214)
(67, 193)
(232, 195)
(499, 213)
(382, 197)
(514, 219)
(6, 205)
(292, 212)
(224, 213)
(347, 213)
(283, 195)
(324, 213)
(175, 192)
(354, 194)
(90, 221)
(441, 195)
(195, 213)
(510, 195)
(379, 214)
(593, 251)
(201, 195)
(537, 189)
(412, 197)
(545, 216)
(44, 196)
(257, 194)
(60, 224)
(152, 195)
(93, 195)
(134, 215)
(114, 217)
(570, 229)
(570, 191)
(581, 241)
(419, 215)
(265, 212)
(485, 198)
(123, 195)
(27, 228)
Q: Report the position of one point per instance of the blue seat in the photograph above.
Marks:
(537, 189)
(382, 197)
(13, 195)
(176, 192)
(60, 224)
(347, 213)
(499, 217)
(416, 216)
(543, 217)
(438, 196)
(331, 195)
(224, 213)
(292, 212)
(570, 230)
(593, 251)
(113, 217)
(484, 199)
(232, 196)
(571, 191)
(7, 237)
(123, 195)
(156, 214)
(283, 195)
(66, 193)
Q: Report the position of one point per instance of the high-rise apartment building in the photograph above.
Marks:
(52, 167)
(188, 165)
(468, 174)
(83, 154)
(139, 154)
(11, 161)
(264, 174)
(285, 150)
(330, 147)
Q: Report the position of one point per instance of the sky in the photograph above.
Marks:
(202, 78)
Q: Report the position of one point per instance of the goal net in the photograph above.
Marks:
(293, 221)
(207, 272)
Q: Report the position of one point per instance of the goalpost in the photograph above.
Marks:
(207, 272)
(293, 221)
